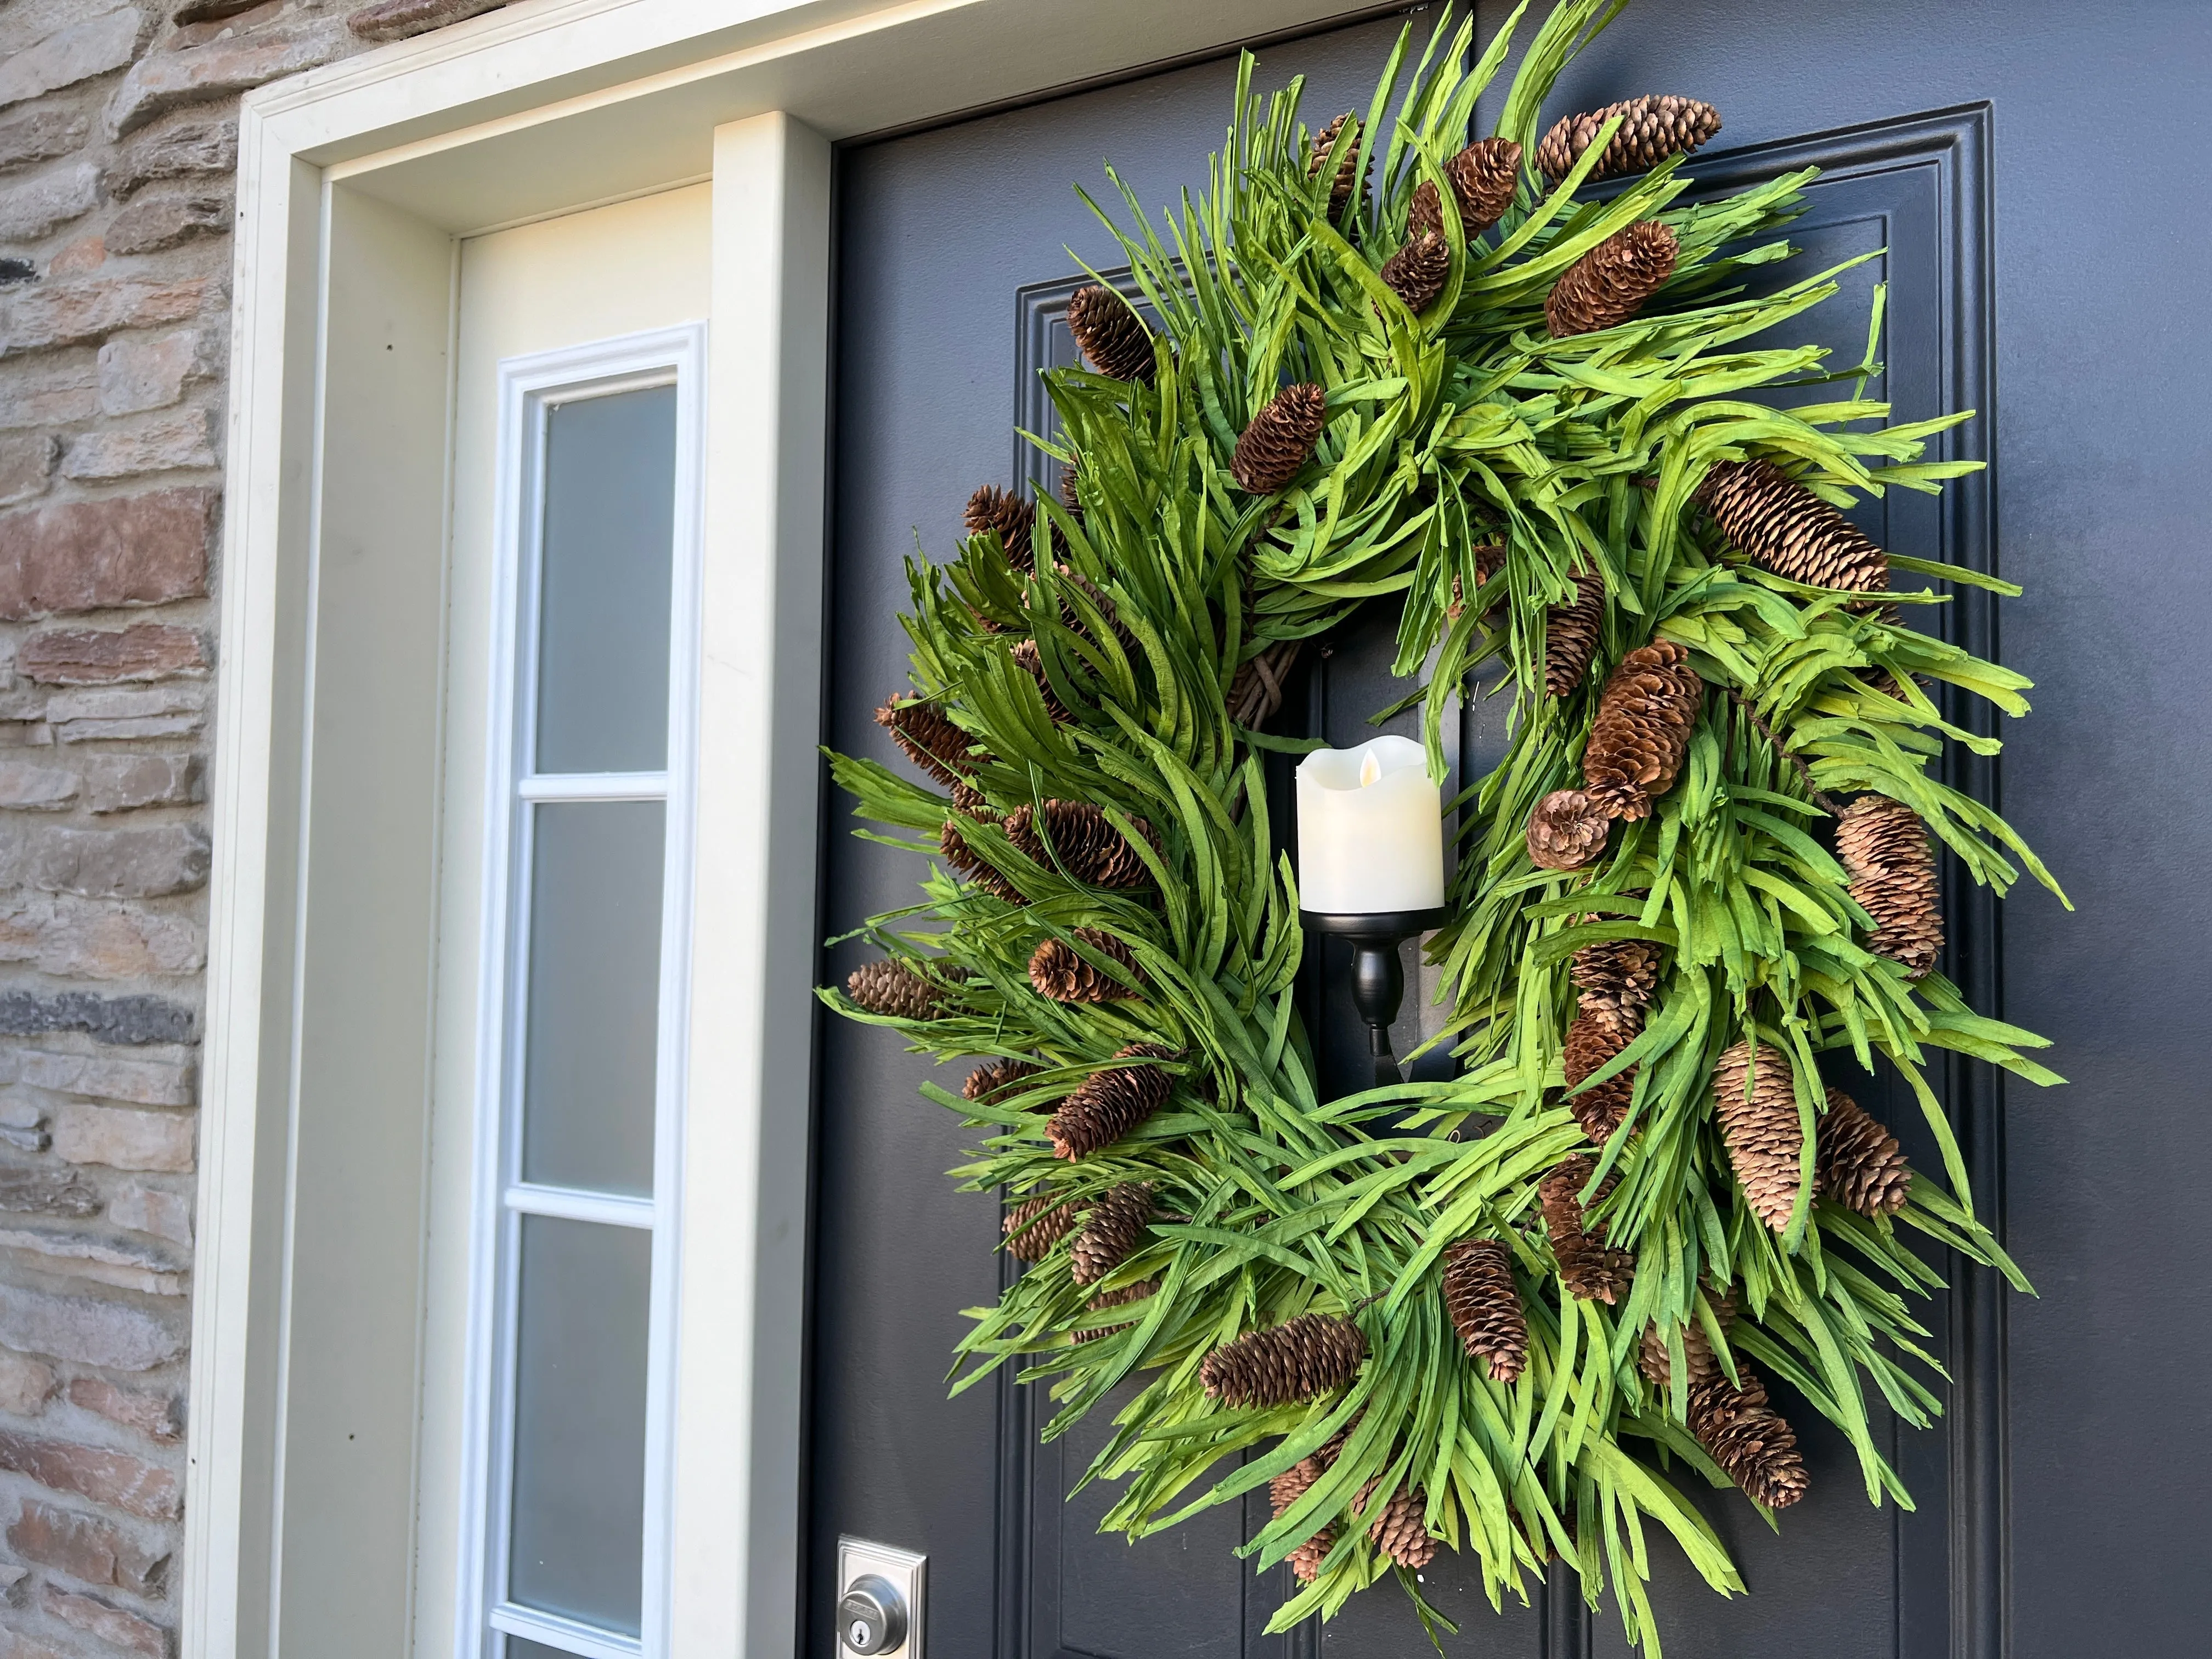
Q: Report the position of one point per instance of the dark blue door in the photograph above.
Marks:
(2034, 171)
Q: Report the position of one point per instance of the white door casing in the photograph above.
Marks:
(319, 1320)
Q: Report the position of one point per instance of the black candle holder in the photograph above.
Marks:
(1378, 983)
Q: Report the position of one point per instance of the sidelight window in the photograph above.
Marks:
(581, 1084)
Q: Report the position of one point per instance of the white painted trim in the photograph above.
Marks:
(565, 1633)
(594, 786)
(545, 107)
(529, 387)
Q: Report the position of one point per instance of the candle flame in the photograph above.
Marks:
(1370, 770)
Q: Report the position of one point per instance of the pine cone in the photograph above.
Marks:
(932, 743)
(1641, 732)
(1485, 1306)
(992, 510)
(1399, 1531)
(1109, 1103)
(995, 1077)
(1758, 1123)
(1280, 439)
(1658, 1366)
(1293, 1484)
(1615, 979)
(1111, 335)
(1652, 128)
(1120, 1299)
(1075, 622)
(1567, 830)
(1417, 272)
(1031, 662)
(1305, 1357)
(1755, 1447)
(1883, 848)
(1348, 170)
(1119, 1219)
(1570, 634)
(1059, 971)
(1424, 213)
(1035, 1224)
(1591, 1044)
(1068, 498)
(1784, 528)
(1588, 1267)
(1090, 848)
(1857, 1162)
(1484, 177)
(1610, 283)
(894, 988)
(966, 862)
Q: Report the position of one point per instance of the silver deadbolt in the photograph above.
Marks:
(878, 1601)
(873, 1615)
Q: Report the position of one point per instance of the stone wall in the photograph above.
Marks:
(117, 142)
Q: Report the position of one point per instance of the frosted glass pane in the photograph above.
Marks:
(579, 1528)
(603, 611)
(593, 995)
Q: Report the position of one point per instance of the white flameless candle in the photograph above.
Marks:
(1370, 830)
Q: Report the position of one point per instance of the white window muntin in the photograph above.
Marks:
(531, 388)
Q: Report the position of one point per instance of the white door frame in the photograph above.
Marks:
(355, 183)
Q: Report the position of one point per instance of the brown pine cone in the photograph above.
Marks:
(1567, 830)
(1484, 177)
(1485, 1306)
(1090, 848)
(1758, 1123)
(1591, 1044)
(1658, 1366)
(1398, 1530)
(1058, 970)
(932, 741)
(1109, 1103)
(992, 510)
(1652, 128)
(1588, 1267)
(1883, 847)
(1310, 1355)
(995, 1077)
(1784, 528)
(1857, 1162)
(1424, 213)
(1641, 732)
(1280, 440)
(1031, 662)
(1120, 1299)
(1417, 272)
(1076, 623)
(1305, 1561)
(1751, 1441)
(1120, 1218)
(1110, 335)
(1068, 498)
(1293, 1484)
(1615, 979)
(966, 862)
(1347, 169)
(1570, 634)
(1611, 283)
(1034, 1226)
(894, 990)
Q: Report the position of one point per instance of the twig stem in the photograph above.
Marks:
(1826, 802)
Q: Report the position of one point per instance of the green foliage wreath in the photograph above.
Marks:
(1506, 1313)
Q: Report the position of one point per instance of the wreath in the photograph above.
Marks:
(1514, 1312)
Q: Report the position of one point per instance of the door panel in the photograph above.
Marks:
(2053, 1515)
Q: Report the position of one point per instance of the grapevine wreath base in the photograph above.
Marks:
(1509, 1314)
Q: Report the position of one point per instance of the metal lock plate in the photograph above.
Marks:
(879, 1607)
